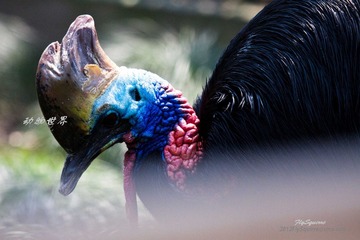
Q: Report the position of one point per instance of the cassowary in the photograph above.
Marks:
(290, 76)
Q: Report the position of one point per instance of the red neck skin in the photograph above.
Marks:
(182, 154)
(129, 188)
(183, 151)
(129, 185)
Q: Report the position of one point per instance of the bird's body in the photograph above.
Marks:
(291, 76)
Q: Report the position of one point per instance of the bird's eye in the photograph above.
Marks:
(135, 95)
(110, 120)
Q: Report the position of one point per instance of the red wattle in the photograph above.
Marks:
(184, 150)
(129, 185)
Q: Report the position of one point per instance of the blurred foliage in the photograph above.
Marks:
(184, 57)
(31, 204)
(16, 70)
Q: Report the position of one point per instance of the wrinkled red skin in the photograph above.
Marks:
(183, 151)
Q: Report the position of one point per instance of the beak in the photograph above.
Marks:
(96, 143)
(75, 165)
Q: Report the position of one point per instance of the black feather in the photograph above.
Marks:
(291, 74)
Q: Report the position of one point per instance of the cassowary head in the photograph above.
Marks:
(106, 104)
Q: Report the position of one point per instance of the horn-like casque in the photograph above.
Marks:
(70, 76)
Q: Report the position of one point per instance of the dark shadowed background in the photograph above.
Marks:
(180, 40)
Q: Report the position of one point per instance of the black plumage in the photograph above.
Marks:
(292, 73)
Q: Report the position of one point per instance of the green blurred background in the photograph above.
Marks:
(180, 40)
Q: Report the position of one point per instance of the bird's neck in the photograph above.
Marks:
(181, 151)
